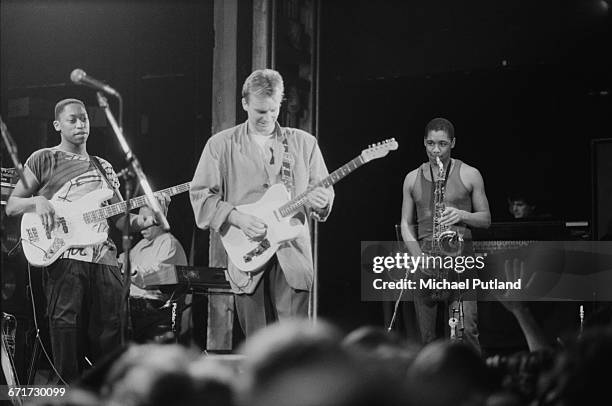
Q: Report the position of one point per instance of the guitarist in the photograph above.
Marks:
(83, 288)
(236, 167)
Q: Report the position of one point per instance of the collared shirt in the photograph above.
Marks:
(233, 171)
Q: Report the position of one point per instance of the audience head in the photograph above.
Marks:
(151, 374)
(300, 363)
(448, 373)
(377, 345)
(581, 374)
(213, 381)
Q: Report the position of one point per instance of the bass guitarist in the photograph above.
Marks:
(83, 288)
(236, 167)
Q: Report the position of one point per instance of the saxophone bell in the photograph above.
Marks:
(450, 243)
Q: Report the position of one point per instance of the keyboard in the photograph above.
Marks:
(196, 277)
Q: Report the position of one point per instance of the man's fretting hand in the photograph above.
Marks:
(318, 198)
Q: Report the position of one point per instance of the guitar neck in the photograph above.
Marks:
(297, 202)
(118, 208)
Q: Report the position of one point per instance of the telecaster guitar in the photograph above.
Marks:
(276, 209)
(76, 224)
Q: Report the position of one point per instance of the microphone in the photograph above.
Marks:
(79, 77)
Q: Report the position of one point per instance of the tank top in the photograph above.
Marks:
(456, 195)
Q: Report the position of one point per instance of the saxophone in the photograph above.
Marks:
(445, 242)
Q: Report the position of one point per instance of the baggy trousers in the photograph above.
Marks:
(272, 300)
(84, 310)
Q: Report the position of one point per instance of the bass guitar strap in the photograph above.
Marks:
(100, 169)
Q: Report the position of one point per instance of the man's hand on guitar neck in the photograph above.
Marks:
(164, 201)
(251, 226)
(318, 198)
(146, 218)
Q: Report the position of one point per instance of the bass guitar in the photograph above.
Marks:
(77, 224)
(276, 209)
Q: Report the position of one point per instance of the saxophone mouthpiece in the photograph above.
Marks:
(439, 162)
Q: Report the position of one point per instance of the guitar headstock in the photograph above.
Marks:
(379, 150)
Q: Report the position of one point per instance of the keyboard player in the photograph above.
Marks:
(151, 310)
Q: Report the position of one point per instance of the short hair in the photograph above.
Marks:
(516, 196)
(59, 107)
(263, 82)
(440, 124)
(519, 198)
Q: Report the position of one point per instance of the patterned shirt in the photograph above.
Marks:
(66, 177)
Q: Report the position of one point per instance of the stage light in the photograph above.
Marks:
(604, 5)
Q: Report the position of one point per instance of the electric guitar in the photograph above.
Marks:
(77, 224)
(276, 209)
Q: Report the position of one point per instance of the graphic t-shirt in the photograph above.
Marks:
(66, 177)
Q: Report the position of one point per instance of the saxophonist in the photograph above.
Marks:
(460, 188)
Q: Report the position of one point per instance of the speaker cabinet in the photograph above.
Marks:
(601, 158)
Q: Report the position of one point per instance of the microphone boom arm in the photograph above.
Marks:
(134, 163)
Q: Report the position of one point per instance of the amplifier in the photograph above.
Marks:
(8, 182)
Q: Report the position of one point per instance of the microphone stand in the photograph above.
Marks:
(126, 242)
(120, 116)
(134, 171)
(11, 147)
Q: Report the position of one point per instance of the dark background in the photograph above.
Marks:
(157, 54)
(526, 84)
